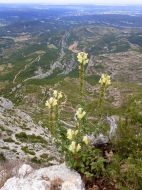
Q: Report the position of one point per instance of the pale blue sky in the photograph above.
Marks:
(75, 1)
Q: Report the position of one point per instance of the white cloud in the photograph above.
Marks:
(75, 1)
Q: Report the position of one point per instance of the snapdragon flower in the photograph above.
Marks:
(71, 133)
(57, 95)
(78, 147)
(105, 80)
(80, 113)
(74, 147)
(52, 102)
(86, 140)
(82, 58)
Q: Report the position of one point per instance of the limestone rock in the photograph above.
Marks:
(5, 104)
(44, 178)
(14, 122)
(25, 170)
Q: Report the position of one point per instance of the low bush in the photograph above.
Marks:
(23, 137)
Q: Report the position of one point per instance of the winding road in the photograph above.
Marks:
(37, 59)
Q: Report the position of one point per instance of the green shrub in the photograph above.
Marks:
(26, 150)
(126, 165)
(127, 173)
(36, 160)
(10, 140)
(2, 157)
(23, 137)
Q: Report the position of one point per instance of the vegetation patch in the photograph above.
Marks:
(10, 140)
(23, 137)
(2, 157)
(26, 150)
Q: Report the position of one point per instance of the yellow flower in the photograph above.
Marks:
(82, 58)
(71, 133)
(105, 80)
(74, 147)
(75, 132)
(57, 95)
(78, 147)
(60, 95)
(86, 140)
(51, 102)
(80, 113)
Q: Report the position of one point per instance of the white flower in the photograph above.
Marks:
(80, 113)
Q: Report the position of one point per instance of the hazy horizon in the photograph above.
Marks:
(65, 2)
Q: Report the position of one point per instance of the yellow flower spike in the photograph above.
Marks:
(80, 113)
(47, 104)
(78, 147)
(52, 102)
(82, 58)
(105, 80)
(70, 134)
(60, 95)
(72, 147)
(57, 95)
(86, 140)
(75, 132)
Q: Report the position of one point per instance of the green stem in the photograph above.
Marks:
(51, 120)
(57, 113)
(81, 81)
(101, 100)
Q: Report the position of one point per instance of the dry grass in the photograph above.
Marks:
(8, 170)
(56, 184)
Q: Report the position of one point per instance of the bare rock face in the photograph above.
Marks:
(5, 104)
(24, 170)
(53, 177)
(22, 138)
